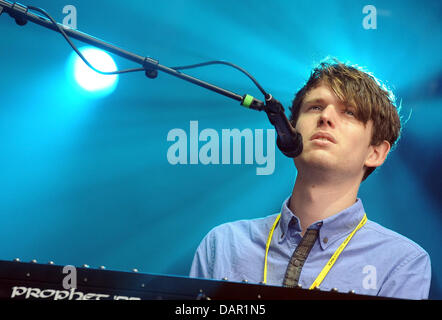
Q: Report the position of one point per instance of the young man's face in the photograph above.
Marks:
(334, 140)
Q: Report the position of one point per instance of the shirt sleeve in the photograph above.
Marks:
(410, 280)
(202, 264)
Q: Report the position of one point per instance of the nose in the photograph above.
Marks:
(327, 117)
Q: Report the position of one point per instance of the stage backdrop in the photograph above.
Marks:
(93, 179)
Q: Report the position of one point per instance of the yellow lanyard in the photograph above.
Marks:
(330, 262)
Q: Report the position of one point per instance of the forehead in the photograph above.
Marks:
(322, 94)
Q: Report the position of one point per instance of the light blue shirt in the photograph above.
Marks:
(376, 261)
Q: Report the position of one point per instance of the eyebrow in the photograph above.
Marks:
(320, 100)
(311, 101)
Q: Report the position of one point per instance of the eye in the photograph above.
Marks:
(350, 112)
(315, 107)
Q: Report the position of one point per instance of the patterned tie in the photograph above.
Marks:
(294, 267)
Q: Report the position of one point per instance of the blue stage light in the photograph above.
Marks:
(90, 80)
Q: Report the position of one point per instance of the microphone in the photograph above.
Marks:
(289, 141)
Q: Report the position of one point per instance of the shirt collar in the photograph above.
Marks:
(330, 229)
(288, 218)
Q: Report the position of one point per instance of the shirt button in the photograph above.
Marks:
(325, 240)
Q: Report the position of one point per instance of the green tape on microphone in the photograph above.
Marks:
(247, 101)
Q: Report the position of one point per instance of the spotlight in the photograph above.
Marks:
(90, 80)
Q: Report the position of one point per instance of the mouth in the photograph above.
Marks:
(323, 137)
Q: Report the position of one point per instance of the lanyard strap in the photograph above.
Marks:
(269, 239)
(330, 262)
(335, 255)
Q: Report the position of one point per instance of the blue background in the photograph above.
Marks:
(85, 180)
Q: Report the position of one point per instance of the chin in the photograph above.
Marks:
(316, 160)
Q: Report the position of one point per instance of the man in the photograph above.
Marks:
(349, 124)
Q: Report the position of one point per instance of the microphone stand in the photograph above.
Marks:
(289, 141)
(21, 15)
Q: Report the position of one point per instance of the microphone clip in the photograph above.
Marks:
(18, 13)
(272, 105)
(151, 67)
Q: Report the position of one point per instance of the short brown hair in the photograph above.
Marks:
(363, 91)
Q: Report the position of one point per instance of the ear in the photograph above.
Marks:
(377, 154)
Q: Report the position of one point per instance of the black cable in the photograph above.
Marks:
(225, 63)
(75, 48)
(42, 11)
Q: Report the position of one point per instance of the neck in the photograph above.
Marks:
(312, 201)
